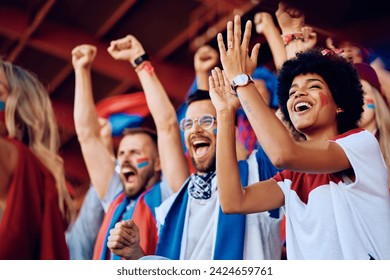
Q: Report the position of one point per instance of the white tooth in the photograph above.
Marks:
(198, 142)
(302, 104)
(126, 169)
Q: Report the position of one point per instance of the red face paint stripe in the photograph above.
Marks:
(324, 99)
(142, 159)
(142, 162)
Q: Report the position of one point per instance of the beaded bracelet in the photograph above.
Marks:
(288, 38)
(145, 66)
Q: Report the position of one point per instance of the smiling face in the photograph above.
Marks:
(139, 163)
(201, 143)
(311, 107)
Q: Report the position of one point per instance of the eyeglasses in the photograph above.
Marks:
(205, 122)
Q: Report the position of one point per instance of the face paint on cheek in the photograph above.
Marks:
(323, 99)
(370, 104)
(142, 162)
(215, 131)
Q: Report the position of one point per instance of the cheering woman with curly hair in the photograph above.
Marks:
(333, 187)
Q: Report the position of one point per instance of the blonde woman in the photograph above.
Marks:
(376, 114)
(35, 206)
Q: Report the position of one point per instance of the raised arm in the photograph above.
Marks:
(173, 161)
(265, 25)
(98, 159)
(296, 36)
(234, 198)
(205, 59)
(283, 151)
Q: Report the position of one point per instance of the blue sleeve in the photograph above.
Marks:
(266, 169)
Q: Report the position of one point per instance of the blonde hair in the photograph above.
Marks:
(382, 118)
(29, 117)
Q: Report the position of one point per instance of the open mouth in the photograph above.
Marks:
(128, 173)
(201, 147)
(302, 106)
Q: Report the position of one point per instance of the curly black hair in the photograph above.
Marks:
(340, 76)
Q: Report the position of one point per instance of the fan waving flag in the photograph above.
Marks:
(123, 111)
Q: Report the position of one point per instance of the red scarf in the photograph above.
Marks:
(143, 216)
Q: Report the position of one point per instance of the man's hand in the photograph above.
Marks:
(309, 37)
(290, 19)
(127, 48)
(263, 21)
(205, 59)
(124, 240)
(83, 56)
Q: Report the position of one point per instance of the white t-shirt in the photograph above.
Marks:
(330, 217)
(262, 232)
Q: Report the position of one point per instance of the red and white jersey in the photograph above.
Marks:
(329, 216)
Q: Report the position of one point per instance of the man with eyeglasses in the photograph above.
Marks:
(191, 222)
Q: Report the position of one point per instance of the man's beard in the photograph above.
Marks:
(209, 167)
(144, 182)
(134, 195)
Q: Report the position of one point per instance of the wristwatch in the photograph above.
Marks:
(241, 80)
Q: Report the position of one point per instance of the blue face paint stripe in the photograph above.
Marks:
(142, 164)
(370, 106)
(215, 131)
(2, 106)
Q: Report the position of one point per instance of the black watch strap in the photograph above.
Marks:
(141, 59)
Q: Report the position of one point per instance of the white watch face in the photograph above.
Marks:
(241, 80)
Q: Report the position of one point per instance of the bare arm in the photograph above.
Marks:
(265, 25)
(205, 59)
(281, 148)
(234, 199)
(173, 161)
(97, 157)
(106, 136)
(292, 21)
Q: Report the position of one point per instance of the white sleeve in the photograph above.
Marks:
(166, 190)
(363, 152)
